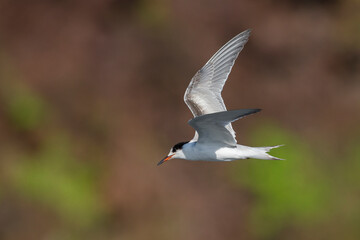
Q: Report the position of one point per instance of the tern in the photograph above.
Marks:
(214, 138)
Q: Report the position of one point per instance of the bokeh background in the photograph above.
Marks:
(91, 98)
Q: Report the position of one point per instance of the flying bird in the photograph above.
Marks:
(214, 138)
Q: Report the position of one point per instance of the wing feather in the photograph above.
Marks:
(203, 95)
(212, 127)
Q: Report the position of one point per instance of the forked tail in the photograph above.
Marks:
(265, 155)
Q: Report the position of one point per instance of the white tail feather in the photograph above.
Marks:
(267, 156)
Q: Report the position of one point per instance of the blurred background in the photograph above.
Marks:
(91, 98)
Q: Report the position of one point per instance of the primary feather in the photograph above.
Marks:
(203, 95)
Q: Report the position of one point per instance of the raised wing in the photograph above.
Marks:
(212, 127)
(203, 95)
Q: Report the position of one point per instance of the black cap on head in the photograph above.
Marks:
(178, 146)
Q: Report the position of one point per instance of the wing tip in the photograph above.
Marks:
(245, 112)
(252, 111)
(247, 31)
(245, 34)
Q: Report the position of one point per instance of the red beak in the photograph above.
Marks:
(165, 159)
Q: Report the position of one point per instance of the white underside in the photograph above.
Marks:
(198, 152)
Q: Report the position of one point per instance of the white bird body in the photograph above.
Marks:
(214, 138)
(198, 152)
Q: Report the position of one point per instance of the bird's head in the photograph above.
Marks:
(175, 152)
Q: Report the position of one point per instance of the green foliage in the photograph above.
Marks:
(54, 178)
(288, 192)
(353, 163)
(50, 175)
(346, 182)
(24, 108)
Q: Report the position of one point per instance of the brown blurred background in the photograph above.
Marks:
(91, 98)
